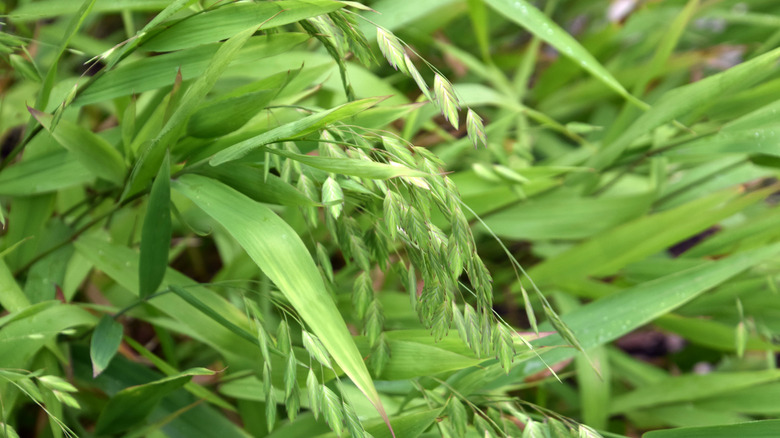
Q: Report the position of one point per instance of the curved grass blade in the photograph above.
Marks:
(194, 388)
(53, 8)
(628, 242)
(105, 343)
(159, 71)
(686, 100)
(152, 156)
(13, 298)
(211, 313)
(536, 22)
(170, 10)
(351, 166)
(688, 388)
(226, 116)
(132, 405)
(43, 96)
(23, 338)
(251, 181)
(753, 429)
(95, 153)
(156, 233)
(229, 112)
(47, 173)
(120, 263)
(281, 254)
(295, 129)
(641, 304)
(230, 19)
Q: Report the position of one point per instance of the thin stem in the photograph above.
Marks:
(139, 302)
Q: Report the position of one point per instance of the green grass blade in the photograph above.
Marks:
(142, 35)
(754, 429)
(283, 257)
(48, 83)
(105, 343)
(566, 217)
(350, 166)
(121, 265)
(629, 243)
(406, 426)
(132, 405)
(160, 71)
(414, 359)
(669, 39)
(688, 388)
(156, 233)
(226, 116)
(479, 22)
(688, 99)
(152, 156)
(194, 388)
(621, 313)
(711, 334)
(48, 173)
(536, 22)
(27, 221)
(758, 400)
(22, 339)
(593, 375)
(394, 14)
(230, 19)
(251, 182)
(295, 129)
(13, 298)
(208, 311)
(94, 153)
(52, 8)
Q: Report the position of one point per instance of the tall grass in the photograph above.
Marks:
(389, 218)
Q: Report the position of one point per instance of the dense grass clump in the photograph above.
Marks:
(457, 218)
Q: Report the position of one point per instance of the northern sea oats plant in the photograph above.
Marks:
(290, 218)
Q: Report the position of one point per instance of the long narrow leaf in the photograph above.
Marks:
(688, 99)
(152, 156)
(132, 405)
(295, 129)
(156, 233)
(629, 242)
(534, 20)
(94, 153)
(350, 166)
(755, 429)
(609, 318)
(690, 387)
(160, 71)
(281, 254)
(73, 27)
(105, 343)
(230, 19)
(43, 174)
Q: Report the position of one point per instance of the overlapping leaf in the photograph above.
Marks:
(280, 253)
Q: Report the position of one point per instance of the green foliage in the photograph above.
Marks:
(413, 223)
